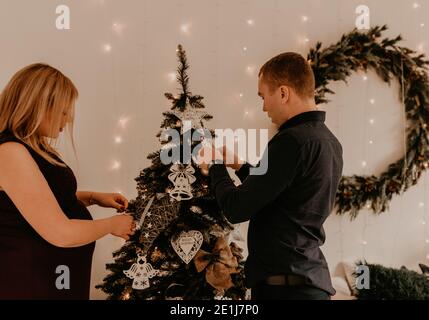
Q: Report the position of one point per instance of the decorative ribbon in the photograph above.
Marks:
(219, 265)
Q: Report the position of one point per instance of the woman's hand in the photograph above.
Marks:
(122, 226)
(110, 200)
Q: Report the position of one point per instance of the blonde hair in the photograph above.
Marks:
(35, 93)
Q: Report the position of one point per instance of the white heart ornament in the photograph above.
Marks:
(187, 244)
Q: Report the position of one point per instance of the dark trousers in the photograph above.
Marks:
(265, 291)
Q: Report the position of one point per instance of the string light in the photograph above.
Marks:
(107, 48)
(123, 121)
(250, 70)
(117, 28)
(185, 28)
(427, 241)
(421, 204)
(365, 78)
(118, 139)
(250, 22)
(364, 164)
(244, 48)
(416, 5)
(115, 165)
(372, 101)
(304, 18)
(364, 242)
(422, 25)
(371, 142)
(171, 76)
(371, 121)
(240, 95)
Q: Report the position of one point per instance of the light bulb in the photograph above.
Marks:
(115, 165)
(250, 70)
(416, 5)
(372, 101)
(185, 28)
(117, 27)
(123, 121)
(107, 48)
(364, 242)
(421, 204)
(371, 142)
(371, 121)
(365, 78)
(304, 18)
(250, 22)
(118, 139)
(172, 76)
(364, 164)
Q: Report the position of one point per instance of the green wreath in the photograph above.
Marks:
(367, 51)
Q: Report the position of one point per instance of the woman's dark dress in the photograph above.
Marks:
(28, 263)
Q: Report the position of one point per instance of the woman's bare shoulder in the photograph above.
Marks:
(14, 154)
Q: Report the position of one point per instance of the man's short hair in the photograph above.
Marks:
(292, 70)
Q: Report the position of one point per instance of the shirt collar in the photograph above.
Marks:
(304, 117)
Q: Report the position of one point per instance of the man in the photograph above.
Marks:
(287, 205)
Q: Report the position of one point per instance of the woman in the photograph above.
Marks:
(47, 235)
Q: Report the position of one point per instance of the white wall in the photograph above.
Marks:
(129, 81)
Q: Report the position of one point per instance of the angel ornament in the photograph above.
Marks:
(182, 178)
(141, 272)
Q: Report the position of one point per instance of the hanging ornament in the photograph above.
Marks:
(192, 115)
(182, 178)
(187, 244)
(196, 210)
(141, 272)
(157, 213)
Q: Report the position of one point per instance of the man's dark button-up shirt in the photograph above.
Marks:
(287, 205)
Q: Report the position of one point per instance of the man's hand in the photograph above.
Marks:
(206, 155)
(231, 159)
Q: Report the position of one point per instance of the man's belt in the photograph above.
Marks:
(285, 280)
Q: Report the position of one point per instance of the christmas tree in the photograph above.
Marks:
(181, 248)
